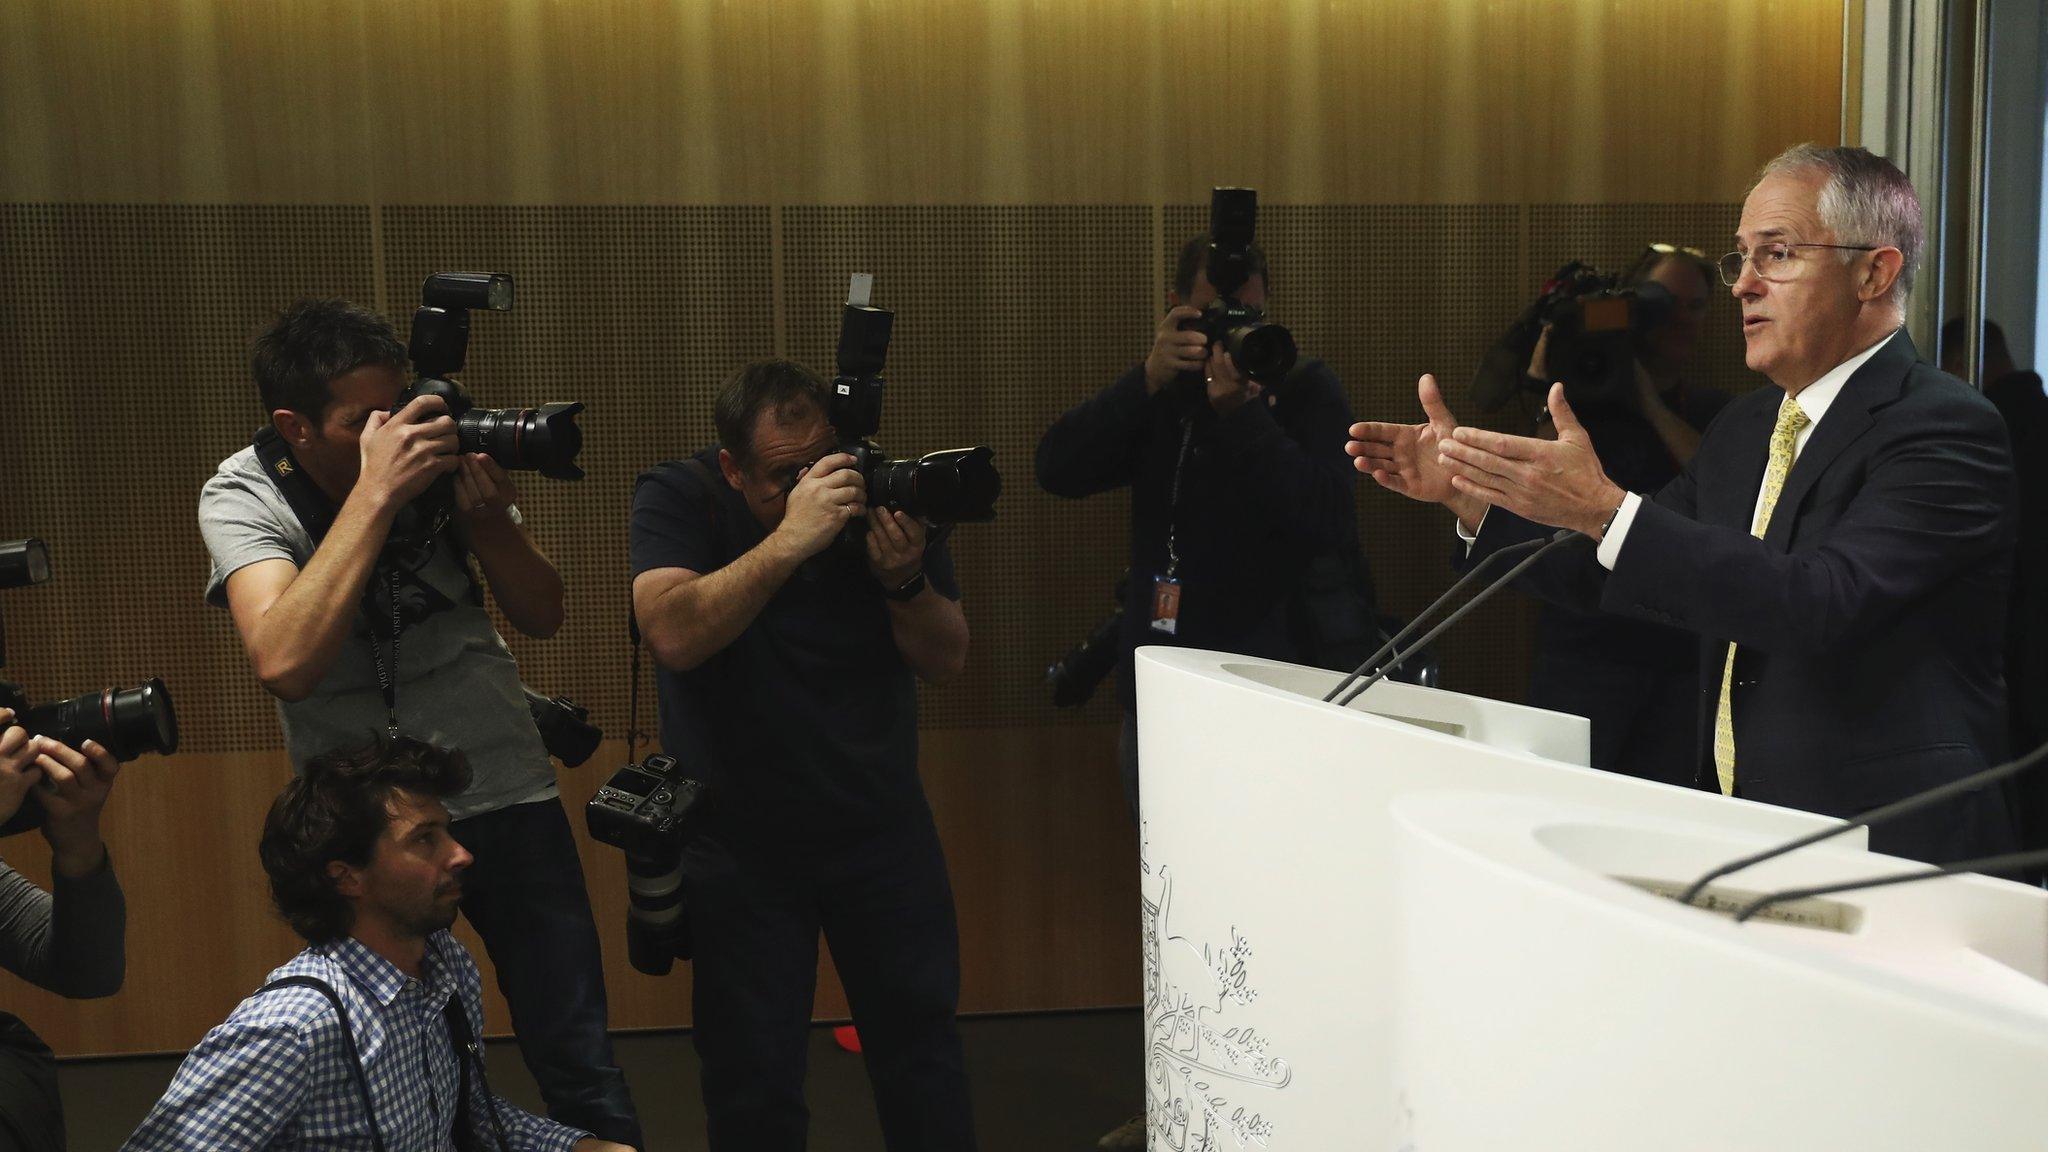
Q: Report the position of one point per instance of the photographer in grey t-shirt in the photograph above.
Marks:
(328, 623)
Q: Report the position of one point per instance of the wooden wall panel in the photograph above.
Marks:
(681, 185)
(908, 101)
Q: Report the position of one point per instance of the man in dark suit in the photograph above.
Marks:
(1841, 542)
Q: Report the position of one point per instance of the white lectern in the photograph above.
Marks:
(1549, 1001)
(1268, 906)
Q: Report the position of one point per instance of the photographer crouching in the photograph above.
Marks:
(342, 543)
(1625, 348)
(789, 649)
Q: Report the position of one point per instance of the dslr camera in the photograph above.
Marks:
(543, 439)
(1263, 351)
(126, 721)
(1598, 328)
(648, 810)
(954, 486)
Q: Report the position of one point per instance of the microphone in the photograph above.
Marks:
(1881, 814)
(1408, 630)
(1541, 549)
(2010, 862)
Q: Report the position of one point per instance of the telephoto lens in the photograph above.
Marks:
(657, 918)
(125, 721)
(954, 486)
(24, 562)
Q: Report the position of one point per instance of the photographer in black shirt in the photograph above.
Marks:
(1239, 493)
(788, 661)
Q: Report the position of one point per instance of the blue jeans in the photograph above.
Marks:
(526, 897)
(886, 909)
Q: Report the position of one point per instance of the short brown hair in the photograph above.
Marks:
(784, 388)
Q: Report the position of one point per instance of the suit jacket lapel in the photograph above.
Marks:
(1873, 385)
(1749, 451)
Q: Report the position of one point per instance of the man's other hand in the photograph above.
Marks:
(1175, 350)
(404, 453)
(895, 547)
(75, 786)
(827, 495)
(18, 771)
(1555, 482)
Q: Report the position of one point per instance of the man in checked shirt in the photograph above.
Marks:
(361, 864)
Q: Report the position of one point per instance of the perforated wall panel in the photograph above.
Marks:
(1384, 293)
(124, 334)
(639, 312)
(1005, 316)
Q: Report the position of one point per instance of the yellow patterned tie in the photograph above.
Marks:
(1784, 440)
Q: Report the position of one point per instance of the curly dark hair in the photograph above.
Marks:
(311, 344)
(334, 810)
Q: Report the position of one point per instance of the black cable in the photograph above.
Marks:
(1563, 536)
(2010, 862)
(1875, 816)
(1478, 570)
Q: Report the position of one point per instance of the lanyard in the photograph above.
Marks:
(1180, 464)
(387, 677)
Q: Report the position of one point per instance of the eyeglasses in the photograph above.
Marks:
(1774, 262)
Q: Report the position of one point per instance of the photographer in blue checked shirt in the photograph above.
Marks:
(365, 1040)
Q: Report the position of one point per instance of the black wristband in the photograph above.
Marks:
(908, 590)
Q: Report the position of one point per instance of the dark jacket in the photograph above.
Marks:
(1870, 618)
(1266, 490)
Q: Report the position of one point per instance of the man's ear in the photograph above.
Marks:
(1885, 266)
(730, 469)
(295, 427)
(348, 882)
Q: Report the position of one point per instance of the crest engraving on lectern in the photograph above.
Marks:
(1206, 1066)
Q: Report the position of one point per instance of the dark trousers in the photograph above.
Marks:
(31, 1113)
(526, 897)
(886, 909)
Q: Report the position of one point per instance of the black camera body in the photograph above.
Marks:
(953, 486)
(645, 809)
(649, 810)
(1598, 328)
(564, 726)
(1075, 676)
(1262, 350)
(543, 439)
(127, 722)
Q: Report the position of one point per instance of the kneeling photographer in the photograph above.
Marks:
(68, 940)
(352, 542)
(1624, 347)
(790, 618)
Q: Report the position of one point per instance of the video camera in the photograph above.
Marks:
(648, 810)
(1598, 328)
(1263, 351)
(126, 721)
(954, 486)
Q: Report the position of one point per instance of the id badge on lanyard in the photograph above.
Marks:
(1166, 604)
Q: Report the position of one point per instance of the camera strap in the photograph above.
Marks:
(1180, 465)
(348, 1045)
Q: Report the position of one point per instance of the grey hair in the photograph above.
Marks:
(1866, 200)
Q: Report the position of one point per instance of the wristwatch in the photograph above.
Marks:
(908, 590)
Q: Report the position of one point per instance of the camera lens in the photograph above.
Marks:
(544, 439)
(657, 920)
(956, 486)
(126, 721)
(1263, 352)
